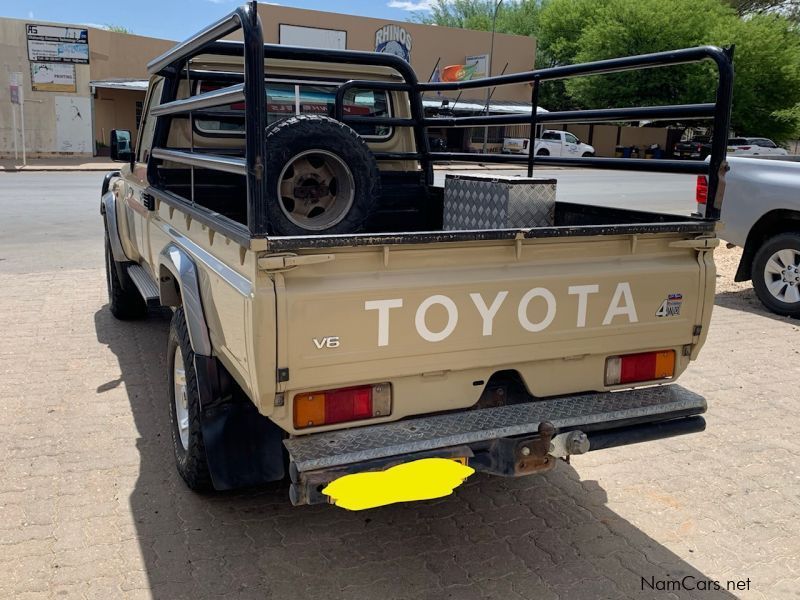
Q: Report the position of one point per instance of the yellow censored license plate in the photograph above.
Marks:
(422, 479)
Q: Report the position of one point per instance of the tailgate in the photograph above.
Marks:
(437, 320)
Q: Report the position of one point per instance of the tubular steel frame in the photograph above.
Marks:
(250, 86)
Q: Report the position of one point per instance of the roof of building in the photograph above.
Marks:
(477, 105)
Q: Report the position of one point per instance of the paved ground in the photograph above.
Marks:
(91, 506)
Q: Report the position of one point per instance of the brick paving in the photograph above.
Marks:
(91, 505)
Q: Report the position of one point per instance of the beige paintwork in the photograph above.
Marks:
(272, 318)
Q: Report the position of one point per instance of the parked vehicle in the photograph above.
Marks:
(310, 338)
(750, 146)
(552, 143)
(761, 213)
(699, 148)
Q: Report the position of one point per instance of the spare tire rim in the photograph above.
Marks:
(782, 275)
(181, 399)
(316, 189)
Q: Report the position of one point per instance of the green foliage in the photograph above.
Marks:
(766, 96)
(767, 56)
(118, 28)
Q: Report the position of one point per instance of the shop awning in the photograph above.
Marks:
(475, 105)
(462, 105)
(134, 85)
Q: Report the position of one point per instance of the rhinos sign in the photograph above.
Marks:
(393, 39)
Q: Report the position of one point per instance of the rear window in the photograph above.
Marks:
(288, 99)
(551, 135)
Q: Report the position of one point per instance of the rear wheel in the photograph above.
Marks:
(542, 153)
(124, 299)
(184, 408)
(776, 274)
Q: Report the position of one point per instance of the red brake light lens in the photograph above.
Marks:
(342, 405)
(644, 366)
(702, 189)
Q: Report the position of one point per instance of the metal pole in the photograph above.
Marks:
(532, 134)
(14, 119)
(22, 119)
(489, 72)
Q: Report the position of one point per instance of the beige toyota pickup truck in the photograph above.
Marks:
(326, 320)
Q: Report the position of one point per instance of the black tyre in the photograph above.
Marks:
(587, 154)
(776, 274)
(543, 153)
(124, 299)
(321, 175)
(184, 408)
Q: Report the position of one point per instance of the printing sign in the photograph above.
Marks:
(53, 77)
(393, 39)
(51, 43)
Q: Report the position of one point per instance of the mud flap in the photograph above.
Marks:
(243, 447)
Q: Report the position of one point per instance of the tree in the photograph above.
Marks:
(766, 96)
(766, 99)
(117, 28)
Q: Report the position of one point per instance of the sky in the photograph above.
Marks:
(178, 19)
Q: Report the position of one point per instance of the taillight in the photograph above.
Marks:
(745, 147)
(701, 190)
(646, 366)
(326, 407)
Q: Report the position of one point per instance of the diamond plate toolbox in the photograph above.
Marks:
(498, 202)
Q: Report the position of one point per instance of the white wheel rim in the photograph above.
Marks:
(181, 400)
(326, 182)
(782, 275)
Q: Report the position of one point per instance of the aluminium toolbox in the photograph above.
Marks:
(498, 202)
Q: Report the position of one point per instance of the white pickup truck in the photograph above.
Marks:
(761, 213)
(552, 143)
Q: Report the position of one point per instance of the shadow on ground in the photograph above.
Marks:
(539, 537)
(747, 301)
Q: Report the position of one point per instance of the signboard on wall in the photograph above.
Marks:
(53, 77)
(480, 63)
(52, 43)
(312, 37)
(394, 39)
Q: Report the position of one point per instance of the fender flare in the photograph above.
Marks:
(108, 208)
(180, 265)
(243, 447)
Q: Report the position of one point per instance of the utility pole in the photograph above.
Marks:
(489, 72)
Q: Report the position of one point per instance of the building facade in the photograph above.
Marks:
(77, 83)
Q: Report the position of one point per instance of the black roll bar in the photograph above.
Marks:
(250, 86)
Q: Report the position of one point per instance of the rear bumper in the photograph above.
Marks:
(508, 440)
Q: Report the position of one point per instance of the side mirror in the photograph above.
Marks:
(121, 146)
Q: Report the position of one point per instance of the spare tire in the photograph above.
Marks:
(322, 177)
